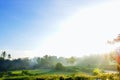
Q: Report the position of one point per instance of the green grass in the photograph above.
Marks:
(17, 72)
(71, 72)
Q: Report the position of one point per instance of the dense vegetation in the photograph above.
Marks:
(53, 62)
(57, 68)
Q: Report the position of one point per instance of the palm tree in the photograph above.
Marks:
(3, 54)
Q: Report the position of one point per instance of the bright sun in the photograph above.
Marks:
(86, 32)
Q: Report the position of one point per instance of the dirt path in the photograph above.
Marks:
(110, 71)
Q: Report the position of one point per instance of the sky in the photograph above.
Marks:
(58, 27)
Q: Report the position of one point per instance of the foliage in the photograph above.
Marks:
(49, 62)
(116, 56)
(97, 71)
(3, 54)
(25, 72)
(59, 66)
(71, 60)
(64, 76)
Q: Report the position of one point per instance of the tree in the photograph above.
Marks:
(3, 54)
(59, 66)
(71, 60)
(45, 62)
(9, 56)
(117, 51)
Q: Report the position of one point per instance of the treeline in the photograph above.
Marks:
(8, 64)
(92, 61)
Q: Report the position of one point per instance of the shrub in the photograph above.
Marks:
(25, 72)
(61, 78)
(59, 66)
(40, 79)
(16, 78)
(9, 73)
(1, 74)
(97, 71)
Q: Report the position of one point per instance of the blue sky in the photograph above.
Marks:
(25, 22)
(27, 25)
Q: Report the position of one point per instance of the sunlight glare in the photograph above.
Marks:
(87, 31)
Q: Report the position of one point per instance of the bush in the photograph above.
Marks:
(25, 72)
(40, 79)
(61, 78)
(59, 66)
(17, 78)
(1, 74)
(9, 73)
(97, 71)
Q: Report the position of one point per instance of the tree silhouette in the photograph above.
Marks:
(9, 56)
(3, 54)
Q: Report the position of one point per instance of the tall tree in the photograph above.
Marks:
(3, 54)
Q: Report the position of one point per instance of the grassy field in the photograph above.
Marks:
(72, 73)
